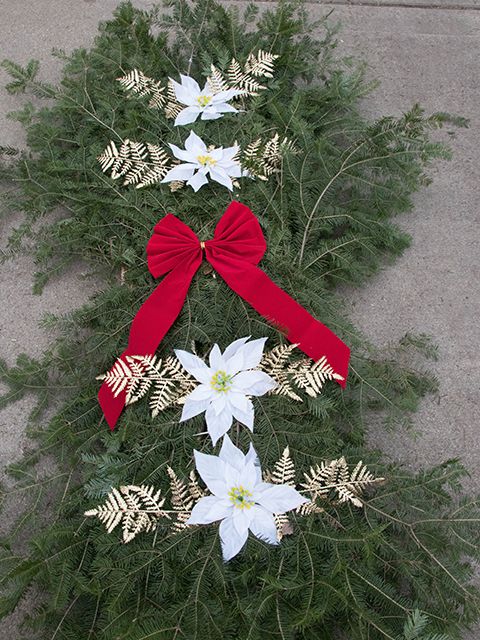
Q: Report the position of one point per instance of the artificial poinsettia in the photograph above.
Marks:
(200, 161)
(240, 498)
(206, 103)
(225, 385)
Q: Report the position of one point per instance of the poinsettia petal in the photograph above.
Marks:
(241, 519)
(219, 402)
(190, 84)
(248, 476)
(220, 176)
(192, 409)
(212, 471)
(229, 153)
(187, 116)
(202, 392)
(231, 454)
(181, 154)
(195, 144)
(278, 498)
(180, 172)
(226, 96)
(194, 365)
(197, 181)
(245, 417)
(232, 541)
(235, 363)
(223, 107)
(217, 425)
(252, 456)
(253, 352)
(182, 93)
(262, 525)
(238, 400)
(210, 114)
(253, 383)
(233, 347)
(216, 360)
(210, 509)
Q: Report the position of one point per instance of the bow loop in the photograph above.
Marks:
(172, 243)
(237, 235)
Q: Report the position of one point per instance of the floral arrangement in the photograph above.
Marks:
(214, 166)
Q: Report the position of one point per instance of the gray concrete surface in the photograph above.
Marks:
(420, 53)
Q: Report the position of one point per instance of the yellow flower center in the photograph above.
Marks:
(239, 497)
(221, 381)
(204, 100)
(206, 161)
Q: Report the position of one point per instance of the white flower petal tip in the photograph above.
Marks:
(225, 385)
(200, 163)
(241, 500)
(206, 103)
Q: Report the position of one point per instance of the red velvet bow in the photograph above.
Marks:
(237, 247)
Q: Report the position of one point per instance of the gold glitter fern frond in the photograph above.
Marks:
(244, 78)
(137, 82)
(263, 159)
(138, 163)
(183, 497)
(166, 379)
(284, 470)
(304, 374)
(136, 508)
(333, 482)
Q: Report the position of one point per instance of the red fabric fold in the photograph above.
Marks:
(237, 247)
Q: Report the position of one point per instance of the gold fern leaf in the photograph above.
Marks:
(136, 162)
(312, 376)
(129, 376)
(283, 524)
(263, 159)
(137, 508)
(216, 80)
(176, 185)
(275, 363)
(333, 481)
(136, 375)
(171, 386)
(182, 500)
(173, 107)
(137, 82)
(195, 489)
(284, 470)
(261, 65)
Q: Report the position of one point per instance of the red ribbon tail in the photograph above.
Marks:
(111, 406)
(313, 338)
(153, 320)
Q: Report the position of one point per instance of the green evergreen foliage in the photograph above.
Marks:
(396, 569)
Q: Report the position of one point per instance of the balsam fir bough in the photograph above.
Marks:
(393, 564)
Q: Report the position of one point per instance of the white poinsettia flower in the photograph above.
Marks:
(241, 500)
(200, 161)
(225, 385)
(205, 102)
